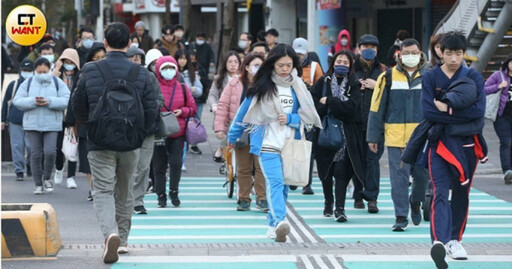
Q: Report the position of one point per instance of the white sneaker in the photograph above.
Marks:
(38, 190)
(183, 168)
(282, 230)
(271, 232)
(438, 254)
(48, 185)
(58, 176)
(111, 246)
(456, 250)
(71, 183)
(122, 249)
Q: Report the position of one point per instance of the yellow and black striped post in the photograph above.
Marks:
(29, 230)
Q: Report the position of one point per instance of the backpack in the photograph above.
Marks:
(117, 122)
(15, 90)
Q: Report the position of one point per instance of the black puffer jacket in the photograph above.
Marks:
(362, 72)
(91, 83)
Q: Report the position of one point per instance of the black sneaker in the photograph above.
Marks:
(19, 176)
(174, 198)
(372, 207)
(400, 224)
(195, 150)
(293, 188)
(438, 254)
(29, 171)
(328, 211)
(244, 205)
(339, 215)
(307, 190)
(162, 200)
(140, 210)
(262, 205)
(359, 204)
(415, 211)
(89, 198)
(508, 177)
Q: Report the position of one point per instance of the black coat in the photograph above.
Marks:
(361, 72)
(91, 83)
(349, 112)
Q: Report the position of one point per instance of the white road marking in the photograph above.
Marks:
(320, 262)
(207, 259)
(421, 258)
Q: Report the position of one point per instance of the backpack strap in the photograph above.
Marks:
(312, 72)
(14, 89)
(56, 83)
(389, 79)
(105, 70)
(324, 87)
(28, 84)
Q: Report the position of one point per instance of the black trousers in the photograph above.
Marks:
(168, 155)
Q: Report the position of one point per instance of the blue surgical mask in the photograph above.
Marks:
(50, 58)
(43, 77)
(69, 67)
(88, 43)
(341, 70)
(26, 75)
(168, 74)
(368, 54)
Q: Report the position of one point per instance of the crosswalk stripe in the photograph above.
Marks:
(306, 261)
(207, 259)
(320, 262)
(378, 216)
(392, 208)
(420, 258)
(194, 227)
(238, 217)
(222, 192)
(397, 235)
(301, 226)
(178, 237)
(425, 225)
(334, 262)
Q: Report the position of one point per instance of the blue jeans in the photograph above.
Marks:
(19, 142)
(277, 193)
(399, 175)
(503, 128)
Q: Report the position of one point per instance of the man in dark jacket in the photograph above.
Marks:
(204, 53)
(460, 129)
(14, 117)
(112, 171)
(367, 69)
(85, 44)
(146, 41)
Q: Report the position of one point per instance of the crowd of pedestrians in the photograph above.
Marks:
(114, 98)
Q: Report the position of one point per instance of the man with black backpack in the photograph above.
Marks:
(115, 98)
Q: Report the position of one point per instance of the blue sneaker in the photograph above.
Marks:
(415, 211)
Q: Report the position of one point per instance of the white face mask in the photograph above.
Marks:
(242, 44)
(178, 34)
(199, 42)
(134, 45)
(26, 75)
(411, 60)
(344, 42)
(168, 74)
(43, 77)
(254, 70)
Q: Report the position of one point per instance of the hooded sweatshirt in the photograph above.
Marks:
(59, 71)
(186, 104)
(338, 47)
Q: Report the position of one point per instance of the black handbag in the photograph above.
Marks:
(331, 135)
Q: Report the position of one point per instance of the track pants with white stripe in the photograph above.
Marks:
(448, 219)
(277, 193)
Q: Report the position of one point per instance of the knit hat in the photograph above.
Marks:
(152, 55)
(140, 24)
(300, 45)
(368, 40)
(27, 64)
(132, 51)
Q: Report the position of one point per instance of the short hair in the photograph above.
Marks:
(46, 47)
(249, 36)
(85, 29)
(410, 42)
(179, 27)
(238, 50)
(135, 36)
(261, 35)
(42, 61)
(168, 27)
(259, 44)
(454, 40)
(273, 32)
(402, 35)
(117, 35)
(202, 34)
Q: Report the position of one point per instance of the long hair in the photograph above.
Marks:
(262, 85)
(347, 53)
(223, 71)
(434, 59)
(189, 66)
(504, 66)
(247, 61)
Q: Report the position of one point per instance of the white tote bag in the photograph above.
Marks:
(492, 103)
(296, 156)
(70, 145)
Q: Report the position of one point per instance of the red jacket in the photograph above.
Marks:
(167, 87)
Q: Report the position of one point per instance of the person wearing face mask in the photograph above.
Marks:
(179, 100)
(343, 43)
(169, 41)
(135, 41)
(85, 43)
(12, 117)
(45, 51)
(395, 112)
(227, 72)
(43, 98)
(204, 54)
(179, 34)
(47, 42)
(66, 68)
(232, 96)
(146, 41)
(367, 69)
(245, 42)
(60, 42)
(394, 50)
(338, 93)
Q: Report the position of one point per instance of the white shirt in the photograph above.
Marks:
(275, 133)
